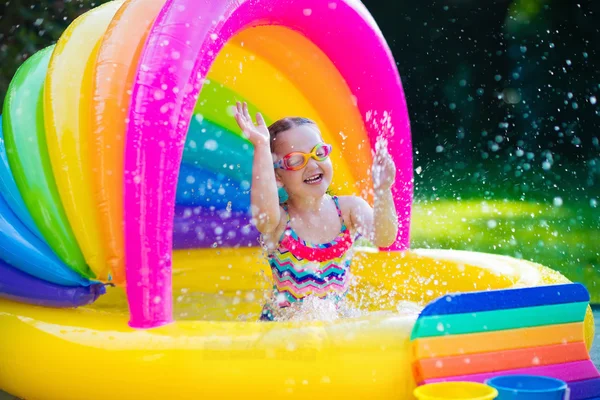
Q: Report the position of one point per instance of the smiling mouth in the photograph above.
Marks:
(315, 179)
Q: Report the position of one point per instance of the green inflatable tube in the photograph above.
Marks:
(24, 131)
(215, 103)
(214, 140)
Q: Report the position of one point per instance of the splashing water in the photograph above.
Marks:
(219, 300)
(317, 309)
(246, 304)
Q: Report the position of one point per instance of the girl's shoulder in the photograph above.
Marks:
(351, 206)
(349, 203)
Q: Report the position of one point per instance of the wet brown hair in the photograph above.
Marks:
(285, 124)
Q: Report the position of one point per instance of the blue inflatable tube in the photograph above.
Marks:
(10, 191)
(199, 187)
(213, 148)
(26, 252)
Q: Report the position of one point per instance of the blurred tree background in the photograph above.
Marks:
(503, 100)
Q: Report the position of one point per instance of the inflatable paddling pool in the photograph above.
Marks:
(125, 191)
(50, 353)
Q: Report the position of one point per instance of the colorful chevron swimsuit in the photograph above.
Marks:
(301, 269)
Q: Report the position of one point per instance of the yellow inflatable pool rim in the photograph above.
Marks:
(63, 354)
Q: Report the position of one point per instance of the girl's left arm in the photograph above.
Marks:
(380, 223)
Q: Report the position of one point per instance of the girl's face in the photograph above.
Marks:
(315, 177)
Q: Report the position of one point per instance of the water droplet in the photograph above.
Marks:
(558, 201)
(211, 145)
(159, 94)
(307, 12)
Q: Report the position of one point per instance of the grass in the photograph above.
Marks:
(562, 238)
(550, 216)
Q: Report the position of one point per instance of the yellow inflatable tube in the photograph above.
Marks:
(90, 353)
(68, 88)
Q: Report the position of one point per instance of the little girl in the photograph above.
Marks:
(307, 233)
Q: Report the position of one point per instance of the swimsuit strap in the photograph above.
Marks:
(339, 211)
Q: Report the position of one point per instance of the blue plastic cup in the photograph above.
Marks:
(529, 387)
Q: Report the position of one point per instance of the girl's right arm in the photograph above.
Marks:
(264, 198)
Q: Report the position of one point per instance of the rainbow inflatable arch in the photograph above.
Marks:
(125, 185)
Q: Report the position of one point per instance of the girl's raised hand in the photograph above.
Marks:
(256, 133)
(384, 169)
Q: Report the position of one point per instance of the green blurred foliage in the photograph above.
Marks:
(27, 26)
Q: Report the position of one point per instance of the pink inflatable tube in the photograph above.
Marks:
(183, 43)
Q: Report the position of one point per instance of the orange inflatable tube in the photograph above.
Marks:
(469, 364)
(443, 346)
(114, 72)
(308, 67)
